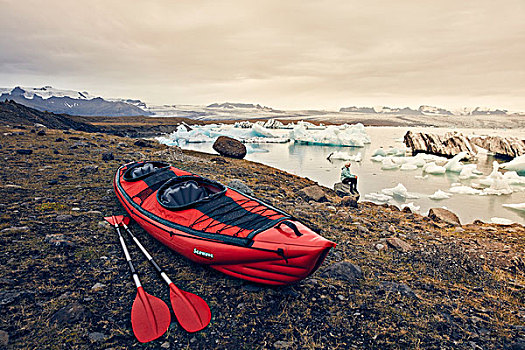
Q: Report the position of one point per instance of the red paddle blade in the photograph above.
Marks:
(191, 311)
(150, 317)
(117, 219)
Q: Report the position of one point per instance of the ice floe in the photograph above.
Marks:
(462, 189)
(377, 197)
(388, 164)
(333, 135)
(515, 206)
(400, 190)
(454, 164)
(434, 169)
(517, 164)
(439, 195)
(413, 208)
(346, 156)
(501, 221)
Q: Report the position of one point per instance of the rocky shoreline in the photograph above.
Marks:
(395, 280)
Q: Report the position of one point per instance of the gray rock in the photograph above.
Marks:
(97, 337)
(444, 215)
(144, 143)
(15, 228)
(229, 147)
(238, 185)
(314, 192)
(69, 314)
(4, 338)
(98, 286)
(398, 244)
(107, 156)
(79, 144)
(58, 240)
(394, 287)
(344, 271)
(64, 218)
(281, 344)
(350, 200)
(9, 296)
(165, 345)
(41, 132)
(89, 169)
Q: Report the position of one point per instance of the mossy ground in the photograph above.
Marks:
(469, 283)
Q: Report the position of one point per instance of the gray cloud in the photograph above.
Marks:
(286, 54)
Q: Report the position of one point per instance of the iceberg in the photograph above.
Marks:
(378, 158)
(501, 221)
(469, 171)
(454, 165)
(461, 189)
(517, 164)
(245, 132)
(379, 152)
(377, 197)
(513, 178)
(333, 135)
(345, 156)
(399, 191)
(439, 195)
(434, 169)
(515, 206)
(388, 164)
(413, 208)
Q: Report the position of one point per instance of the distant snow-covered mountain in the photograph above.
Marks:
(70, 102)
(426, 110)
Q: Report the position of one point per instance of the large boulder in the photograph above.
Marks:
(447, 145)
(314, 192)
(228, 147)
(444, 215)
(343, 271)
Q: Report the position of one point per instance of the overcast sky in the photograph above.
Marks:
(291, 54)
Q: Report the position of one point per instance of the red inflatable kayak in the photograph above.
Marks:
(212, 224)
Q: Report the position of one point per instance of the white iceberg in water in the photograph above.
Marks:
(497, 184)
(439, 195)
(388, 164)
(517, 164)
(377, 197)
(469, 171)
(400, 190)
(513, 178)
(501, 221)
(346, 156)
(334, 135)
(413, 208)
(379, 152)
(454, 164)
(461, 189)
(433, 168)
(515, 206)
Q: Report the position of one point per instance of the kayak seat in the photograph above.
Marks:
(143, 170)
(185, 191)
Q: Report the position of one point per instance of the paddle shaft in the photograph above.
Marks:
(128, 258)
(148, 256)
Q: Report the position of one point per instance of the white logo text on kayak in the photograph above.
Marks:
(203, 254)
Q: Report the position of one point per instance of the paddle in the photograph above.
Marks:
(150, 316)
(191, 311)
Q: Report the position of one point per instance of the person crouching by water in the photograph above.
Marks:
(348, 178)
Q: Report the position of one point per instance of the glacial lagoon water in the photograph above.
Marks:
(311, 161)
